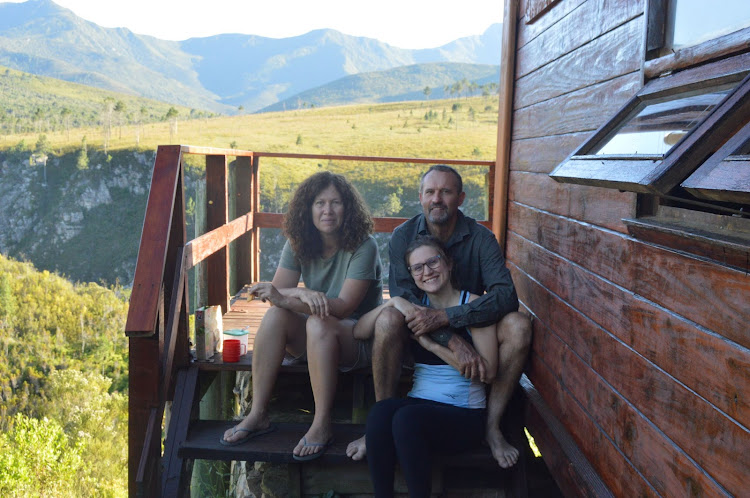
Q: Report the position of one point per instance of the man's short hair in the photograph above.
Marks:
(443, 168)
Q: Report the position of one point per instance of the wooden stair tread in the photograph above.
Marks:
(204, 435)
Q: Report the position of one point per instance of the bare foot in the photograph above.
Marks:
(315, 441)
(357, 449)
(241, 430)
(505, 454)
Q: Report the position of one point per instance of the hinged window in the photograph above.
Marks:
(666, 131)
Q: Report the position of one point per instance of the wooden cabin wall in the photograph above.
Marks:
(641, 352)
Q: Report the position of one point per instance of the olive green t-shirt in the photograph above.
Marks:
(328, 275)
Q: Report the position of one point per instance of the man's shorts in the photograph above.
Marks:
(364, 357)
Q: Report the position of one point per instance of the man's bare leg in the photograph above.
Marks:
(387, 353)
(514, 338)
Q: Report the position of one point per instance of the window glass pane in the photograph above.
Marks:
(659, 126)
(696, 21)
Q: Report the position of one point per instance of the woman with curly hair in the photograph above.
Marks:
(330, 246)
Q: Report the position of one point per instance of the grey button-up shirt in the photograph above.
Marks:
(480, 267)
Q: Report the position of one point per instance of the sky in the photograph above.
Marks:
(401, 23)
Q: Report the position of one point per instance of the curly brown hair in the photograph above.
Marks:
(298, 224)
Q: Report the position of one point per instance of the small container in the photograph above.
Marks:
(241, 335)
(207, 332)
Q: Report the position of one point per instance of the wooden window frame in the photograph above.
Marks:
(660, 174)
(661, 59)
(725, 176)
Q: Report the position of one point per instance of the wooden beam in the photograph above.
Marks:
(216, 216)
(210, 243)
(243, 201)
(152, 254)
(382, 225)
(176, 475)
(504, 122)
(215, 151)
(455, 162)
(255, 207)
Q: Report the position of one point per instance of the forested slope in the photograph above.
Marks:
(63, 381)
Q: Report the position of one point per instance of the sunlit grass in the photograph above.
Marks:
(463, 128)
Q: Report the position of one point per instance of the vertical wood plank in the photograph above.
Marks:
(499, 215)
(142, 397)
(255, 207)
(243, 248)
(217, 213)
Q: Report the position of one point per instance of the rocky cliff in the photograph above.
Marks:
(82, 223)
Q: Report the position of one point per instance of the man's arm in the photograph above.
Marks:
(500, 297)
(400, 281)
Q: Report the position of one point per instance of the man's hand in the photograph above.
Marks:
(425, 320)
(471, 365)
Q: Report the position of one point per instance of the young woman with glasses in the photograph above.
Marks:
(444, 412)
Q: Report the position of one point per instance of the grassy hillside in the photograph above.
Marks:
(455, 128)
(30, 103)
(399, 85)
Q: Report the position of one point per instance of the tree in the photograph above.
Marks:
(120, 110)
(38, 119)
(38, 459)
(427, 91)
(82, 160)
(42, 145)
(65, 114)
(171, 116)
(8, 307)
(109, 106)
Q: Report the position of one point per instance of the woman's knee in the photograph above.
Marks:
(321, 329)
(276, 321)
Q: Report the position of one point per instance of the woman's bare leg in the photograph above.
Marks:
(330, 343)
(279, 331)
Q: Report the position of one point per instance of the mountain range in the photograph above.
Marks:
(225, 72)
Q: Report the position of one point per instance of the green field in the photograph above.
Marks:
(401, 129)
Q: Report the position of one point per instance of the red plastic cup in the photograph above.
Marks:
(231, 350)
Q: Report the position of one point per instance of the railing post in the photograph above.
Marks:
(243, 246)
(255, 208)
(216, 216)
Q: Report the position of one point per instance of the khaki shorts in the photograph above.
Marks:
(364, 357)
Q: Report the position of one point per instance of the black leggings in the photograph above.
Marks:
(412, 429)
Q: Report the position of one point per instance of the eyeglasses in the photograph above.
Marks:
(417, 269)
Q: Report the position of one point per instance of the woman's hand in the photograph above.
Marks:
(265, 291)
(425, 341)
(315, 300)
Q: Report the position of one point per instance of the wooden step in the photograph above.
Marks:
(204, 436)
